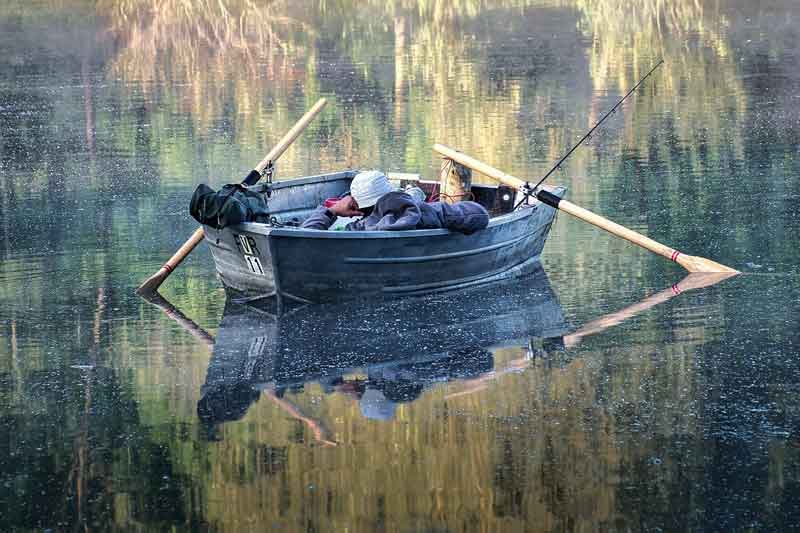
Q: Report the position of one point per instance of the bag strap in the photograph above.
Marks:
(234, 187)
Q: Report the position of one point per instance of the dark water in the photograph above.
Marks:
(594, 396)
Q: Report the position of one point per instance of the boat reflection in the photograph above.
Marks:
(388, 352)
(381, 354)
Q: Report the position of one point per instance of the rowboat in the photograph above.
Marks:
(283, 260)
(408, 344)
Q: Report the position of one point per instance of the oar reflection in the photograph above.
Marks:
(690, 282)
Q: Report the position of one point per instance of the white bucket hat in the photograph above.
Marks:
(368, 186)
(375, 406)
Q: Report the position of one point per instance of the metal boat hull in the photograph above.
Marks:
(324, 266)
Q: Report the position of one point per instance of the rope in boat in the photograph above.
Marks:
(448, 165)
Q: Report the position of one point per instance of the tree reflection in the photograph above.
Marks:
(77, 455)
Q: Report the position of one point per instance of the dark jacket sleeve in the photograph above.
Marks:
(395, 211)
(319, 219)
(464, 217)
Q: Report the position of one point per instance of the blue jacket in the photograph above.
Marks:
(397, 210)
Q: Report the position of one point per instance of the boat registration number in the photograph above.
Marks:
(249, 250)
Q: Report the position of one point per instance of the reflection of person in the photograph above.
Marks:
(376, 406)
(377, 396)
(384, 208)
(389, 385)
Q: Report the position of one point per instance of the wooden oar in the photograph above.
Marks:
(152, 283)
(689, 262)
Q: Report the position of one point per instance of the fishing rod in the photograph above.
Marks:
(532, 190)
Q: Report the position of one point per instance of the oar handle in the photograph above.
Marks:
(291, 135)
(689, 262)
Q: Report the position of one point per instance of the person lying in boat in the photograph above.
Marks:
(382, 208)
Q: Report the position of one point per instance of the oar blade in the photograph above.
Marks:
(693, 263)
(151, 284)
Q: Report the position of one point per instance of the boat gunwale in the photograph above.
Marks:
(307, 180)
(295, 232)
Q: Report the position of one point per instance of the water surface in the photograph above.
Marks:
(601, 394)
